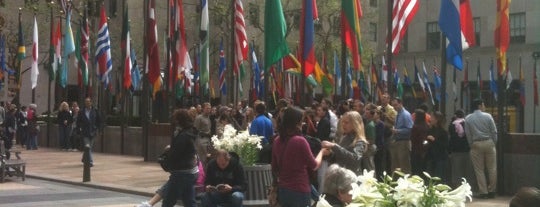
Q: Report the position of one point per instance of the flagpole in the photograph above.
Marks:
(51, 62)
(535, 56)
(390, 77)
(442, 103)
(145, 89)
(502, 130)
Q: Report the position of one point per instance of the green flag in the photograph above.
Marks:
(275, 44)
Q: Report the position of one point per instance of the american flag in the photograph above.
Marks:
(403, 12)
(103, 50)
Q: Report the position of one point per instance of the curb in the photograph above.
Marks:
(101, 186)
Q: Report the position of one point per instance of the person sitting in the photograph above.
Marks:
(224, 182)
(337, 186)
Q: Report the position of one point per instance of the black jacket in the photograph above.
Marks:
(232, 175)
(88, 126)
(182, 154)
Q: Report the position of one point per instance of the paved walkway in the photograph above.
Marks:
(126, 174)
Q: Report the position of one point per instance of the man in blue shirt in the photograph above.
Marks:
(400, 146)
(262, 125)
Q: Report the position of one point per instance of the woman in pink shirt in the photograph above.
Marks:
(292, 161)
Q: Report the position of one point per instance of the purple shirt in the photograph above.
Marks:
(294, 159)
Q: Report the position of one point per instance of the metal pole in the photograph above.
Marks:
(535, 56)
(442, 103)
(389, 54)
(145, 93)
(501, 133)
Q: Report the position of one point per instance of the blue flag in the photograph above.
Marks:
(135, 72)
(492, 81)
(449, 22)
(337, 72)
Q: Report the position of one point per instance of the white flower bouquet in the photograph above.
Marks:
(406, 191)
(241, 142)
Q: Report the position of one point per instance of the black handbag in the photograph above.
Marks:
(163, 160)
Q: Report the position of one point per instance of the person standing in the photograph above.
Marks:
(182, 161)
(74, 137)
(88, 122)
(438, 150)
(33, 127)
(419, 143)
(9, 129)
(262, 125)
(292, 161)
(203, 125)
(64, 120)
(400, 146)
(22, 126)
(482, 136)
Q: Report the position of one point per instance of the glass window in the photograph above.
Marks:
(477, 30)
(373, 3)
(373, 31)
(433, 36)
(404, 43)
(517, 28)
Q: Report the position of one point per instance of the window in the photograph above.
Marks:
(373, 31)
(476, 22)
(113, 8)
(336, 26)
(433, 36)
(373, 3)
(517, 28)
(254, 14)
(404, 43)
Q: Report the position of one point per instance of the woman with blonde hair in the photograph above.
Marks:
(350, 143)
(64, 119)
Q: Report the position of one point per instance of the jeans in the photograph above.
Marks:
(213, 199)
(438, 169)
(89, 142)
(291, 198)
(63, 136)
(31, 142)
(181, 184)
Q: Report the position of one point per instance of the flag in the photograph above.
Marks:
(222, 68)
(419, 79)
(52, 46)
(403, 12)
(502, 33)
(258, 74)
(449, 19)
(69, 43)
(291, 65)
(126, 44)
(479, 77)
(337, 72)
(351, 13)
(78, 58)
(57, 63)
(522, 85)
(509, 78)
(349, 78)
(135, 71)
(103, 50)
(85, 39)
(3, 63)
(492, 82)
(204, 58)
(374, 78)
(307, 38)
(21, 52)
(397, 82)
(152, 59)
(241, 44)
(467, 26)
(438, 83)
(384, 74)
(408, 81)
(35, 55)
(426, 83)
(275, 29)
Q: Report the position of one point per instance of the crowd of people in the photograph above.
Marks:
(308, 147)
(19, 124)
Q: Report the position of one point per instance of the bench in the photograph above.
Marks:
(11, 167)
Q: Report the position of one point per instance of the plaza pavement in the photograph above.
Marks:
(127, 174)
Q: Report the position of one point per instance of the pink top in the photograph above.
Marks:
(294, 159)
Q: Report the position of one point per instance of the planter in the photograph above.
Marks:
(258, 178)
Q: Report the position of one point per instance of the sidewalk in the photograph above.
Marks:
(127, 174)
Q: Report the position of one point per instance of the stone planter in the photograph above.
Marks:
(258, 178)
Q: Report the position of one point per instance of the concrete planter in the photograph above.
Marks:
(258, 178)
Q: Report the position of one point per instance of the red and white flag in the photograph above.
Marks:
(403, 12)
(35, 70)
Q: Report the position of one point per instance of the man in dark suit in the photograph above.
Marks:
(88, 121)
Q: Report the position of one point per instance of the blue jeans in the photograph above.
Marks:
(212, 199)
(31, 142)
(180, 184)
(291, 198)
(63, 136)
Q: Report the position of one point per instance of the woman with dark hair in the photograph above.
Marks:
(292, 161)
(182, 160)
(419, 143)
(438, 152)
